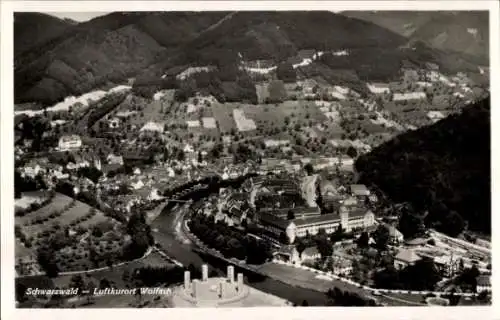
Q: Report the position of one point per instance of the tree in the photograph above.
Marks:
(283, 238)
(300, 246)
(309, 169)
(468, 278)
(352, 152)
(305, 303)
(325, 248)
(387, 278)
(77, 282)
(338, 235)
(286, 72)
(381, 237)
(452, 224)
(363, 240)
(47, 263)
(410, 225)
(423, 275)
(104, 283)
(90, 287)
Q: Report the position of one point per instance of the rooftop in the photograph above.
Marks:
(310, 252)
(360, 189)
(408, 256)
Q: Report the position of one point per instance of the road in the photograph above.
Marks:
(284, 281)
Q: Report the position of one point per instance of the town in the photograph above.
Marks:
(118, 189)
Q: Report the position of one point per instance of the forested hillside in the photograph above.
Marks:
(443, 169)
(465, 32)
(110, 49)
(105, 50)
(32, 29)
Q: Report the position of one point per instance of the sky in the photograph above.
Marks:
(77, 16)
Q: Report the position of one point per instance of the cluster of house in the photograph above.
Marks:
(311, 89)
(228, 206)
(340, 264)
(51, 172)
(421, 79)
(294, 165)
(353, 196)
(447, 265)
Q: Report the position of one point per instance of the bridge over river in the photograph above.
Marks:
(286, 282)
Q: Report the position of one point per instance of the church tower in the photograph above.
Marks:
(344, 218)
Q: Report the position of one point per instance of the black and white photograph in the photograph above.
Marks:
(250, 158)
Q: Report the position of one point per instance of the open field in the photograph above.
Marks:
(70, 215)
(97, 218)
(223, 113)
(59, 202)
(269, 116)
(262, 92)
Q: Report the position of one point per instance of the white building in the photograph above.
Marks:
(112, 159)
(153, 126)
(311, 224)
(138, 184)
(378, 88)
(409, 96)
(435, 115)
(70, 142)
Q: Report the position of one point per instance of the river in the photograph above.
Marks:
(164, 226)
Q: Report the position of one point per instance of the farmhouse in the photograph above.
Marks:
(424, 84)
(193, 123)
(435, 115)
(378, 88)
(409, 96)
(56, 123)
(152, 126)
(270, 143)
(70, 142)
(112, 159)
